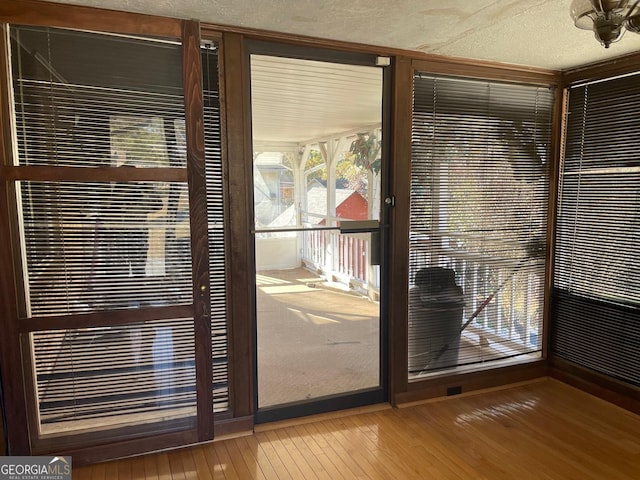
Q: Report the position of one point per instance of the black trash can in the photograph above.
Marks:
(435, 318)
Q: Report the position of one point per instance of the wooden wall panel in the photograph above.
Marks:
(599, 385)
(557, 142)
(194, 115)
(471, 381)
(32, 12)
(3, 443)
(93, 174)
(399, 220)
(598, 71)
(487, 70)
(240, 260)
(10, 356)
(128, 448)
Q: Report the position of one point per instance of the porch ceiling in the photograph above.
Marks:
(295, 101)
(537, 33)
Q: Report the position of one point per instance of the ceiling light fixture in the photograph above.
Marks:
(607, 18)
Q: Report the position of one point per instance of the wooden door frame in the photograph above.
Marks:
(16, 327)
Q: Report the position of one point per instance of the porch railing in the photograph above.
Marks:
(514, 315)
(345, 256)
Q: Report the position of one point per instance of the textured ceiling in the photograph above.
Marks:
(536, 33)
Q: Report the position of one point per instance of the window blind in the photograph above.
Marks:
(106, 376)
(214, 172)
(100, 245)
(104, 246)
(479, 196)
(87, 99)
(596, 294)
(91, 100)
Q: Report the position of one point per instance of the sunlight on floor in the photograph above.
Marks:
(320, 320)
(280, 290)
(310, 279)
(496, 411)
(313, 340)
(266, 280)
(310, 318)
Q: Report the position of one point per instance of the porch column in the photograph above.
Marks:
(332, 151)
(328, 152)
(298, 161)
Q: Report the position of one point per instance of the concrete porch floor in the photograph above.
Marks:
(313, 339)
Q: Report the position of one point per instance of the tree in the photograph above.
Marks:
(365, 152)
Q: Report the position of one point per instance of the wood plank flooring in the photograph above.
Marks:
(542, 430)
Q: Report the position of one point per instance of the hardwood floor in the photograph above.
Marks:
(542, 430)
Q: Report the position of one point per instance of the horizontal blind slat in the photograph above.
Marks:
(214, 174)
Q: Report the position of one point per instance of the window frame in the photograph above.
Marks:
(405, 67)
(579, 343)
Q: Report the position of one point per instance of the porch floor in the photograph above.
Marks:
(314, 339)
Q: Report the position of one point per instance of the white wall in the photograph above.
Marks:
(277, 253)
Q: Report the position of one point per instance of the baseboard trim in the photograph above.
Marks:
(457, 384)
(613, 391)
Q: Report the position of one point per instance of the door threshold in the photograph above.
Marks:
(264, 427)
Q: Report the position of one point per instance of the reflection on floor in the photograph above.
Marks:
(313, 338)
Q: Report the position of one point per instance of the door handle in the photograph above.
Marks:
(365, 226)
(359, 226)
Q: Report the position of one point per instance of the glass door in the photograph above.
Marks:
(115, 341)
(317, 157)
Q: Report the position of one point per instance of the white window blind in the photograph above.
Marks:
(94, 246)
(79, 103)
(596, 295)
(479, 196)
(112, 106)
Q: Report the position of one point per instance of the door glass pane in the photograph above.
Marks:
(105, 245)
(101, 377)
(317, 162)
(316, 337)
